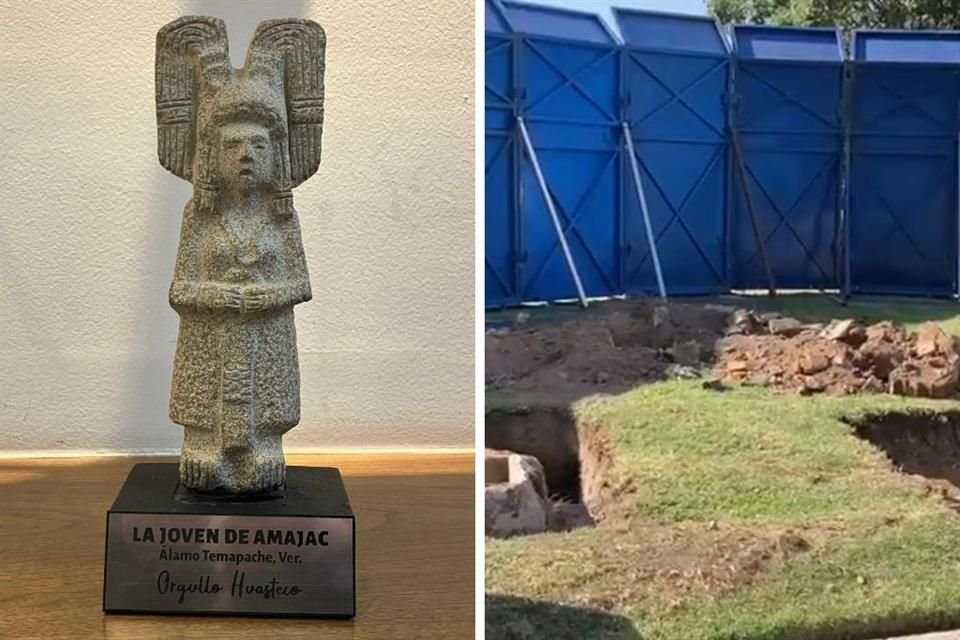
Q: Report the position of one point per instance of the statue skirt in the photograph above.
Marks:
(237, 375)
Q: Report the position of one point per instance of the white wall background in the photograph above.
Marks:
(89, 224)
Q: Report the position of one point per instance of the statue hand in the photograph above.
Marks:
(214, 295)
(254, 298)
(231, 297)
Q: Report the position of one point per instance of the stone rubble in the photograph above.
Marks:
(516, 498)
(842, 357)
(617, 351)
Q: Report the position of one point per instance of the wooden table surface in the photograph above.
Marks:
(415, 552)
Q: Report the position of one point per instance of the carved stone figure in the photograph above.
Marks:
(244, 138)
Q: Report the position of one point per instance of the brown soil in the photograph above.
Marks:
(583, 482)
(602, 352)
(675, 561)
(875, 359)
(612, 352)
(920, 443)
(605, 488)
(547, 434)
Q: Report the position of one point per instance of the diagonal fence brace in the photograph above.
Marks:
(532, 153)
(638, 184)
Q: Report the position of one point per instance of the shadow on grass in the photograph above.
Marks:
(915, 625)
(512, 618)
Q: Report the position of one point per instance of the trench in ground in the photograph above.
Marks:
(577, 468)
(547, 434)
(583, 484)
(923, 443)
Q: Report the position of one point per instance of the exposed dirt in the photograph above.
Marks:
(604, 352)
(549, 435)
(606, 489)
(845, 358)
(675, 561)
(719, 557)
(583, 483)
(615, 351)
(922, 444)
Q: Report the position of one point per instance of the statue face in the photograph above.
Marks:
(246, 155)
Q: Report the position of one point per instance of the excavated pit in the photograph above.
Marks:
(921, 443)
(549, 435)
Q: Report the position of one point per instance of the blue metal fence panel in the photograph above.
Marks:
(675, 79)
(754, 42)
(570, 102)
(670, 32)
(539, 20)
(903, 176)
(500, 232)
(501, 278)
(931, 47)
(494, 19)
(787, 112)
(565, 74)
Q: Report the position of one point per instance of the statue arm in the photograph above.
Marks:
(295, 289)
(187, 291)
(188, 295)
(183, 295)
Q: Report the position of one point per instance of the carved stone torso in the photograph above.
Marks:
(243, 249)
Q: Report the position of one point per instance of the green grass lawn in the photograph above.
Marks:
(755, 515)
(730, 474)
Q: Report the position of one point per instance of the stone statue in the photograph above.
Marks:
(244, 138)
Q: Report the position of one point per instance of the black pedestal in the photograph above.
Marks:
(293, 554)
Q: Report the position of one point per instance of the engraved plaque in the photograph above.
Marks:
(189, 563)
(254, 558)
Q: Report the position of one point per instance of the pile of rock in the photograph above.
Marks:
(931, 367)
(841, 357)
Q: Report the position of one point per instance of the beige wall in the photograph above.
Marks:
(89, 223)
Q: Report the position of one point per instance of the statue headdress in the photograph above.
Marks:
(280, 86)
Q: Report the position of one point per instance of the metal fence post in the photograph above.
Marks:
(956, 275)
(520, 257)
(848, 80)
(622, 186)
(730, 103)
